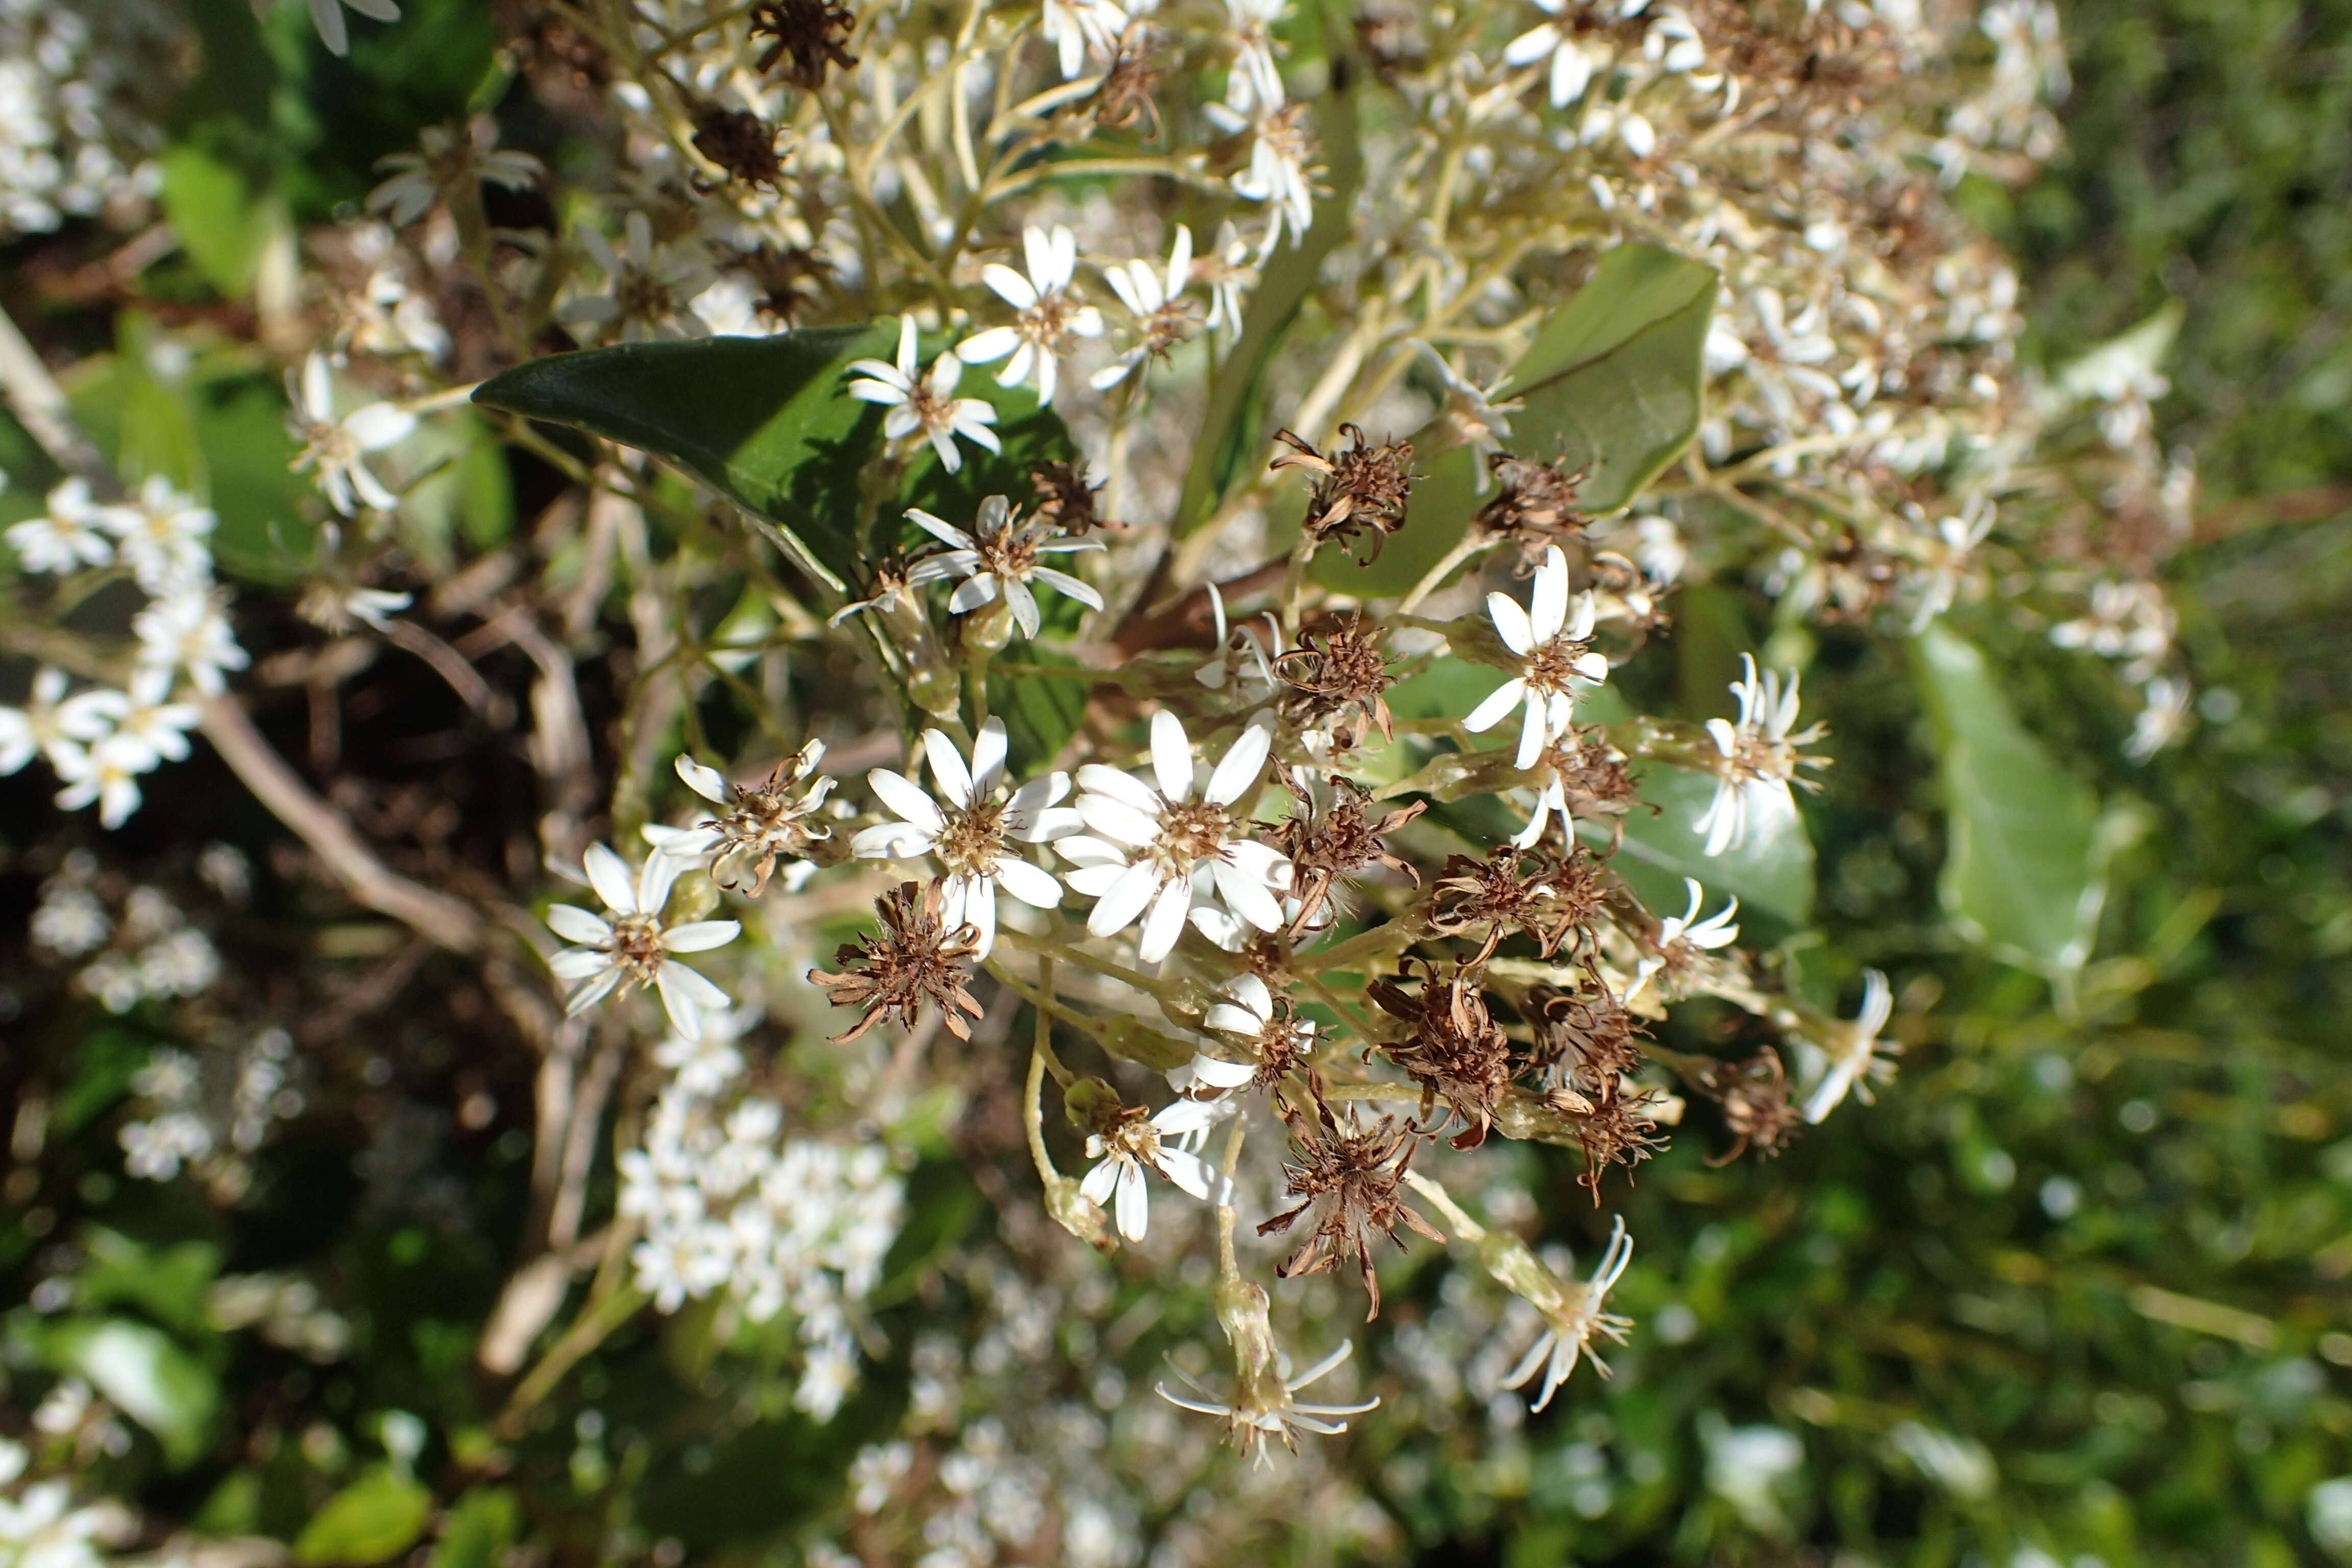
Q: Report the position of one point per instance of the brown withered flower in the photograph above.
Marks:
(778, 271)
(913, 959)
(1617, 1130)
(1329, 842)
(1536, 508)
(1360, 492)
(1584, 1039)
(1066, 500)
(1541, 892)
(1582, 776)
(760, 823)
(814, 33)
(1457, 1051)
(1349, 1176)
(740, 142)
(1754, 1095)
(1340, 673)
(1124, 98)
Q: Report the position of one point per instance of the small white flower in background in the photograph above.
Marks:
(1256, 81)
(1075, 27)
(1572, 62)
(188, 631)
(104, 774)
(1148, 848)
(635, 944)
(29, 732)
(2125, 620)
(1470, 414)
(1049, 318)
(1000, 555)
(649, 288)
(418, 178)
(1949, 551)
(1758, 757)
(1278, 172)
(2163, 715)
(1855, 1055)
(1256, 1413)
(1747, 1466)
(1573, 1316)
(143, 717)
(1552, 640)
(68, 539)
(1241, 661)
(705, 1065)
(970, 826)
(163, 534)
(1680, 936)
(1163, 318)
(1228, 272)
(326, 16)
(337, 447)
(71, 921)
(1115, 1183)
(925, 404)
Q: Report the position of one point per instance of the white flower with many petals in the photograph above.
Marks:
(1573, 1316)
(633, 943)
(1049, 317)
(1680, 937)
(1117, 1184)
(970, 827)
(1856, 1056)
(925, 404)
(758, 825)
(1000, 556)
(1074, 28)
(39, 728)
(1758, 758)
(1154, 296)
(163, 535)
(68, 538)
(189, 632)
(1278, 172)
(142, 719)
(1241, 661)
(1552, 636)
(1256, 81)
(1248, 1016)
(337, 447)
(649, 289)
(104, 774)
(1149, 844)
(1573, 61)
(1264, 1408)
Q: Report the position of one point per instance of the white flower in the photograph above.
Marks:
(1758, 757)
(1152, 847)
(1269, 1411)
(162, 534)
(337, 448)
(648, 289)
(1244, 1011)
(1229, 272)
(143, 717)
(1949, 552)
(1572, 63)
(1681, 936)
(39, 1528)
(969, 827)
(1123, 1155)
(106, 773)
(418, 179)
(704, 1065)
(188, 631)
(1257, 82)
(1049, 318)
(1552, 641)
(635, 944)
(1075, 27)
(1241, 660)
(25, 733)
(1163, 318)
(2161, 718)
(67, 538)
(925, 404)
(1470, 415)
(326, 16)
(1277, 173)
(1854, 1051)
(1571, 1320)
(760, 824)
(1000, 556)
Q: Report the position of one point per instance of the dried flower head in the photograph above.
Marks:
(814, 33)
(1754, 1095)
(1584, 1039)
(740, 142)
(763, 822)
(1619, 1130)
(1339, 673)
(1067, 502)
(1358, 491)
(778, 272)
(1347, 1175)
(914, 958)
(1537, 507)
(1332, 837)
(1544, 894)
(1457, 1051)
(1124, 98)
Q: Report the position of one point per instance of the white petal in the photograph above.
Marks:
(701, 936)
(1099, 1182)
(1239, 770)
(1134, 1202)
(905, 797)
(1171, 756)
(708, 783)
(1117, 821)
(1190, 1172)
(573, 924)
(988, 749)
(1232, 1019)
(1124, 900)
(1165, 923)
(1218, 1073)
(1534, 730)
(948, 768)
(1499, 701)
(988, 347)
(1251, 993)
(609, 874)
(1123, 787)
(1010, 286)
(1511, 623)
(579, 964)
(1548, 606)
(1247, 896)
(1031, 885)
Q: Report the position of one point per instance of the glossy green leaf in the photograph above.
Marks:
(477, 1529)
(378, 1516)
(2021, 877)
(1041, 712)
(147, 1375)
(1771, 873)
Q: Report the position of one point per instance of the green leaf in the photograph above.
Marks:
(1771, 873)
(215, 217)
(2022, 876)
(1041, 712)
(168, 1283)
(147, 1375)
(477, 1529)
(380, 1515)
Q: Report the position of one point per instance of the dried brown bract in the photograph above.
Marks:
(740, 142)
(1547, 895)
(1338, 672)
(1125, 96)
(1457, 1052)
(1330, 844)
(815, 35)
(1618, 1131)
(1349, 1176)
(1536, 510)
(1584, 1039)
(1066, 502)
(1754, 1095)
(1358, 492)
(913, 959)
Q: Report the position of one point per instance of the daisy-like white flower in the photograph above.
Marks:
(1277, 173)
(649, 289)
(326, 16)
(446, 160)
(1552, 636)
(1163, 318)
(758, 825)
(633, 945)
(337, 447)
(1000, 556)
(1573, 1317)
(104, 774)
(162, 534)
(925, 404)
(1074, 28)
(40, 727)
(1249, 1017)
(1241, 660)
(1758, 757)
(1857, 1057)
(143, 717)
(1133, 1146)
(68, 538)
(1149, 844)
(1265, 1407)
(1049, 317)
(1228, 272)
(1572, 61)
(188, 631)
(970, 829)
(1680, 937)
(1256, 81)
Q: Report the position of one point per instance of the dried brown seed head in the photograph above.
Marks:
(1064, 500)
(1754, 1095)
(1330, 844)
(1347, 1175)
(1360, 492)
(1536, 508)
(914, 958)
(1338, 672)
(814, 34)
(1584, 1039)
(1125, 96)
(1457, 1051)
(740, 142)
(1548, 895)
